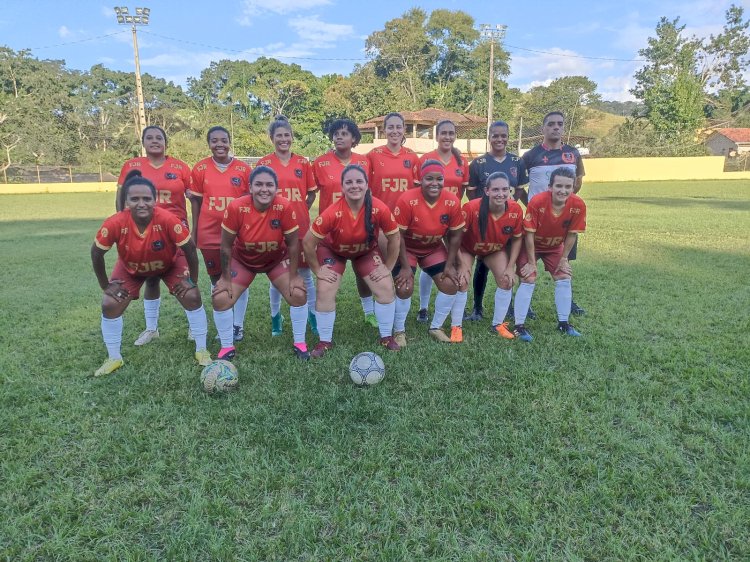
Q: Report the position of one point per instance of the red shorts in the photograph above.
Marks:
(244, 275)
(171, 277)
(362, 265)
(427, 258)
(212, 259)
(550, 258)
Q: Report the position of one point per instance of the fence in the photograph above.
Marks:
(56, 174)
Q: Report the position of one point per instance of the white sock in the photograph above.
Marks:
(563, 298)
(425, 290)
(274, 296)
(402, 311)
(298, 314)
(240, 308)
(385, 314)
(367, 304)
(325, 324)
(151, 312)
(223, 321)
(310, 286)
(502, 302)
(198, 326)
(523, 301)
(459, 304)
(443, 305)
(112, 336)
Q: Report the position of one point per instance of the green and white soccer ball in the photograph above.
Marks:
(219, 376)
(366, 369)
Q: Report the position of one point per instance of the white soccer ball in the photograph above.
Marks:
(366, 369)
(219, 376)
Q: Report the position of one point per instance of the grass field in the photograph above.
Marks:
(632, 442)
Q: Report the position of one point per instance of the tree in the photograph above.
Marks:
(570, 94)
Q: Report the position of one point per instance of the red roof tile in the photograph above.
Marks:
(735, 134)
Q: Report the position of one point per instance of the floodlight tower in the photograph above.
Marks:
(491, 33)
(141, 17)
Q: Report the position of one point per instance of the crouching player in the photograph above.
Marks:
(552, 223)
(151, 243)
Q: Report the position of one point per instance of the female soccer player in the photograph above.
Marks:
(151, 242)
(425, 216)
(297, 185)
(493, 223)
(172, 180)
(552, 223)
(456, 181)
(259, 235)
(393, 167)
(216, 182)
(348, 230)
(498, 159)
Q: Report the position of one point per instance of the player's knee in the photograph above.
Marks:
(506, 283)
(192, 299)
(297, 299)
(561, 276)
(221, 302)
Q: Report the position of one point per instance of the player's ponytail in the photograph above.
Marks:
(369, 227)
(484, 206)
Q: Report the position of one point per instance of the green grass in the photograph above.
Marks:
(630, 443)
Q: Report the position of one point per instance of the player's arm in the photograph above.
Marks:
(295, 281)
(113, 289)
(578, 184)
(196, 201)
(453, 243)
(118, 203)
(474, 191)
(310, 198)
(564, 265)
(224, 282)
(191, 255)
(530, 266)
(405, 277)
(392, 249)
(309, 247)
(515, 250)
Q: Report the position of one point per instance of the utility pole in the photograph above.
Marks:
(141, 17)
(491, 33)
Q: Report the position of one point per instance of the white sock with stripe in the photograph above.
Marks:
(402, 311)
(523, 301)
(563, 299)
(225, 327)
(112, 336)
(325, 324)
(151, 312)
(198, 326)
(298, 314)
(385, 313)
(502, 303)
(459, 305)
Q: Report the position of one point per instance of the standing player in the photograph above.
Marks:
(348, 230)
(426, 216)
(552, 223)
(393, 167)
(172, 180)
(498, 159)
(297, 185)
(259, 235)
(151, 242)
(456, 181)
(544, 158)
(216, 181)
(494, 226)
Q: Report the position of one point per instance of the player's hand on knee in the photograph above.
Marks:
(222, 285)
(117, 291)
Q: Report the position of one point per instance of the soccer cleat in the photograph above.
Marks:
(400, 338)
(277, 323)
(576, 310)
(522, 333)
(423, 316)
(304, 355)
(371, 320)
(226, 353)
(321, 349)
(457, 334)
(503, 331)
(439, 335)
(108, 367)
(390, 343)
(203, 358)
(146, 336)
(476, 315)
(568, 330)
(313, 321)
(239, 333)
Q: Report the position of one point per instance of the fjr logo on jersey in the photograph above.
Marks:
(444, 219)
(236, 182)
(507, 230)
(407, 163)
(157, 245)
(275, 224)
(298, 172)
(170, 176)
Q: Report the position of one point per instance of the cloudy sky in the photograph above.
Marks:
(546, 39)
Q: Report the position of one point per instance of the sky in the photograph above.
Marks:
(546, 39)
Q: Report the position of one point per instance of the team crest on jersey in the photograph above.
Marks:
(104, 232)
(319, 220)
(568, 158)
(507, 230)
(407, 163)
(513, 171)
(459, 172)
(329, 261)
(157, 245)
(178, 229)
(298, 172)
(170, 176)
(275, 224)
(236, 182)
(444, 219)
(566, 224)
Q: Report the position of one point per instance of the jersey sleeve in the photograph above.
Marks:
(310, 180)
(531, 220)
(456, 220)
(578, 220)
(232, 221)
(178, 233)
(385, 219)
(322, 225)
(196, 179)
(108, 234)
(402, 213)
(523, 173)
(465, 169)
(580, 171)
(289, 221)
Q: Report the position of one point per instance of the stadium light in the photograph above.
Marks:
(141, 17)
(491, 33)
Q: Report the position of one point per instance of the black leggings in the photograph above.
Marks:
(480, 282)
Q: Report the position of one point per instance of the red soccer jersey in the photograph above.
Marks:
(345, 233)
(499, 229)
(423, 225)
(549, 229)
(296, 180)
(260, 235)
(148, 254)
(171, 179)
(218, 189)
(392, 174)
(327, 170)
(456, 176)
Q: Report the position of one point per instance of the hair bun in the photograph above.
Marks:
(133, 174)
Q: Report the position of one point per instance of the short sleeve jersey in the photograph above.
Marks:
(422, 224)
(550, 229)
(345, 234)
(499, 232)
(392, 174)
(171, 179)
(218, 189)
(296, 180)
(260, 234)
(542, 161)
(327, 170)
(149, 254)
(481, 168)
(456, 175)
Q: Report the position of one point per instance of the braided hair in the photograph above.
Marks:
(484, 206)
(369, 226)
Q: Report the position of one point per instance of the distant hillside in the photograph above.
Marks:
(600, 124)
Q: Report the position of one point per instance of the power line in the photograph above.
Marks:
(570, 56)
(77, 41)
